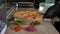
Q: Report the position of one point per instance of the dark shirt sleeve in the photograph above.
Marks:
(52, 12)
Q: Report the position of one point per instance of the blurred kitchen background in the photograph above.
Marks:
(7, 6)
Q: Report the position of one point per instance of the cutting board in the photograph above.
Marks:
(44, 28)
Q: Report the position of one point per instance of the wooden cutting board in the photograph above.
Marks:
(45, 28)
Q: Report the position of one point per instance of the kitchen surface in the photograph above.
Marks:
(27, 17)
(44, 28)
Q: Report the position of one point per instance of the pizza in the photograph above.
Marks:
(28, 15)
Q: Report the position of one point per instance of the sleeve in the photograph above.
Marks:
(52, 12)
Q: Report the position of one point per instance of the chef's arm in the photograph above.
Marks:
(52, 12)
